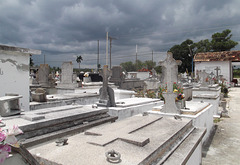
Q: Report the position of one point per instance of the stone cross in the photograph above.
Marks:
(106, 73)
(217, 69)
(107, 98)
(170, 67)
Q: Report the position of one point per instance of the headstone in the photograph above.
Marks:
(203, 78)
(67, 73)
(67, 76)
(170, 67)
(42, 75)
(106, 93)
(211, 75)
(117, 75)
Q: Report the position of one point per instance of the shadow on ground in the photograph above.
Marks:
(209, 141)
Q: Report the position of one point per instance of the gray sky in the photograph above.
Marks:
(64, 29)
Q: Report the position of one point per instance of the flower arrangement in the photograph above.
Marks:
(150, 94)
(8, 140)
(176, 89)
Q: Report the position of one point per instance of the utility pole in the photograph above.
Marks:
(152, 56)
(111, 38)
(136, 57)
(107, 48)
(98, 57)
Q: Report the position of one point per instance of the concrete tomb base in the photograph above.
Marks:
(139, 140)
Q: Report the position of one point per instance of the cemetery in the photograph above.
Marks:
(125, 118)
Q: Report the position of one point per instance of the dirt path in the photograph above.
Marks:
(225, 146)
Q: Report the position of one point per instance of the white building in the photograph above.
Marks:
(14, 72)
(224, 60)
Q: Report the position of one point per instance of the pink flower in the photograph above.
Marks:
(4, 148)
(14, 131)
(3, 156)
(2, 135)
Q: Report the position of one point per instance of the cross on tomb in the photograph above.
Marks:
(106, 73)
(110, 133)
(217, 69)
(170, 66)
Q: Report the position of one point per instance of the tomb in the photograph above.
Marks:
(141, 139)
(9, 105)
(14, 72)
(199, 111)
(67, 78)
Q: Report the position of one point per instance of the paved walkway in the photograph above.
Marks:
(225, 146)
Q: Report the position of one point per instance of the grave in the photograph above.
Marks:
(152, 82)
(42, 125)
(207, 93)
(117, 75)
(107, 98)
(42, 75)
(170, 70)
(67, 81)
(201, 113)
(148, 139)
(9, 105)
(14, 72)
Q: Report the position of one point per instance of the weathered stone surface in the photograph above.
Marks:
(9, 105)
(127, 138)
(107, 98)
(170, 72)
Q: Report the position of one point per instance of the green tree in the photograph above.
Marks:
(202, 46)
(79, 60)
(128, 66)
(138, 65)
(149, 64)
(183, 52)
(222, 41)
(158, 69)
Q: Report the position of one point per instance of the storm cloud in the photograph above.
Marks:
(64, 29)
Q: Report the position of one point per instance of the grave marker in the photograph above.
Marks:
(170, 66)
(106, 93)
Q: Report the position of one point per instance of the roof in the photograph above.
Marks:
(18, 49)
(218, 56)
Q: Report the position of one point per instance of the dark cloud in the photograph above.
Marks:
(64, 29)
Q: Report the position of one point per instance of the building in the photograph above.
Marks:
(14, 72)
(220, 63)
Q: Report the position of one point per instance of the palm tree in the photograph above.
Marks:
(79, 60)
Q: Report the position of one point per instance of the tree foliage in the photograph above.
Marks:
(222, 41)
(130, 66)
(187, 49)
(183, 52)
(79, 60)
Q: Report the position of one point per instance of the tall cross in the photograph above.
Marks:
(170, 66)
